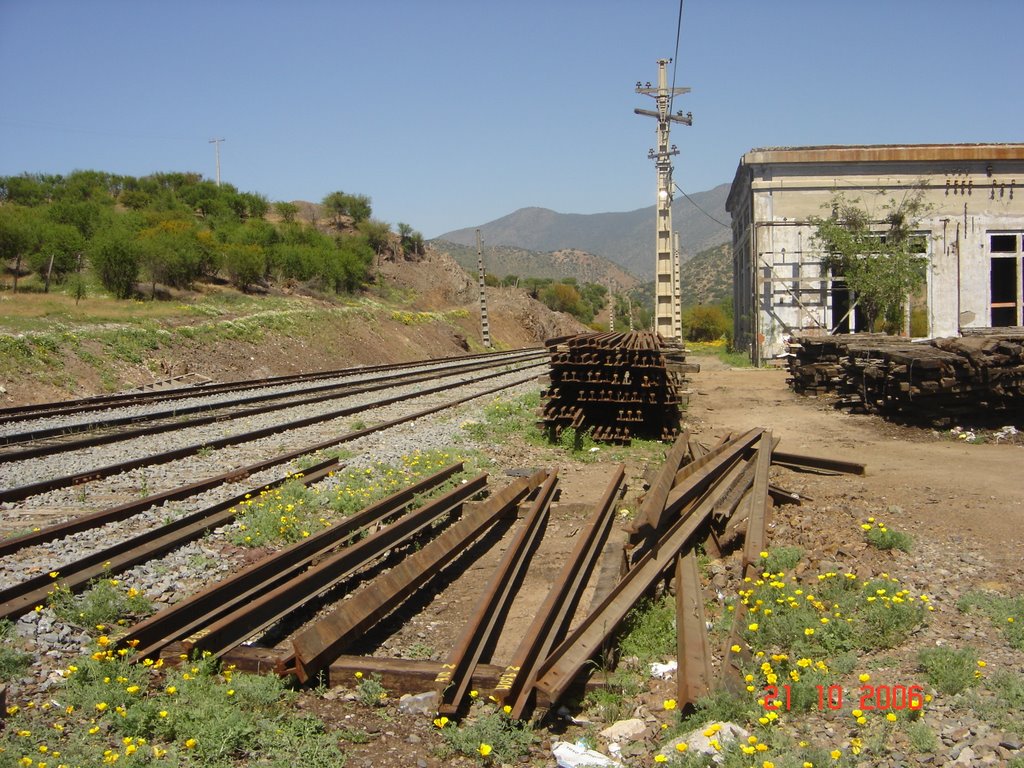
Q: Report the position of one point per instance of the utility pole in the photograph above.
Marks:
(216, 147)
(485, 328)
(667, 320)
(611, 315)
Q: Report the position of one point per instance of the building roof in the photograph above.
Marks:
(873, 153)
(858, 153)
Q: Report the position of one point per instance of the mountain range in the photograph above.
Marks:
(626, 238)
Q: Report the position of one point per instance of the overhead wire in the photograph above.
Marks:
(672, 95)
(675, 58)
(694, 204)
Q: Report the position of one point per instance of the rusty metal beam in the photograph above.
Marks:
(760, 505)
(554, 616)
(317, 644)
(187, 616)
(272, 606)
(819, 464)
(453, 682)
(648, 515)
(557, 673)
(693, 675)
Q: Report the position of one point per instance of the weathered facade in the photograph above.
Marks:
(973, 236)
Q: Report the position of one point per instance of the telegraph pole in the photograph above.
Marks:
(667, 320)
(216, 147)
(485, 327)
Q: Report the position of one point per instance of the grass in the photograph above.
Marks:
(721, 350)
(112, 711)
(1006, 613)
(293, 511)
(505, 417)
(951, 670)
(489, 735)
(880, 536)
(105, 603)
(649, 631)
(13, 663)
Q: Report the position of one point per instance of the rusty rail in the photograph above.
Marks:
(551, 622)
(453, 682)
(180, 620)
(318, 643)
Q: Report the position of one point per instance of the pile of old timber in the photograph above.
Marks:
(978, 374)
(617, 386)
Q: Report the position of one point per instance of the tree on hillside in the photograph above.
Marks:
(287, 211)
(412, 241)
(339, 204)
(880, 259)
(114, 255)
(377, 234)
(57, 251)
(19, 235)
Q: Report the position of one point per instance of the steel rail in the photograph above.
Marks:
(325, 393)
(31, 489)
(552, 620)
(564, 663)
(759, 505)
(124, 511)
(149, 636)
(234, 627)
(318, 643)
(453, 682)
(801, 463)
(648, 515)
(693, 647)
(119, 557)
(99, 402)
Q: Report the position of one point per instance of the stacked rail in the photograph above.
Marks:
(979, 374)
(616, 386)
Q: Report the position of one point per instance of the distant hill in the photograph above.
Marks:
(707, 276)
(502, 260)
(625, 238)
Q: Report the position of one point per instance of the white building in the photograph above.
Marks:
(974, 236)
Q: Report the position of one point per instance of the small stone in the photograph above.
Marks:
(967, 756)
(1011, 743)
(624, 730)
(421, 704)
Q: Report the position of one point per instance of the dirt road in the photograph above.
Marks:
(946, 489)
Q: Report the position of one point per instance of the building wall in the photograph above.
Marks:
(971, 191)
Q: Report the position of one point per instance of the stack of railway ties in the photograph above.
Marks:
(615, 386)
(980, 374)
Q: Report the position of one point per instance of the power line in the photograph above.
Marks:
(722, 223)
(675, 57)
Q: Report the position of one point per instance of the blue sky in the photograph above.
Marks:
(451, 113)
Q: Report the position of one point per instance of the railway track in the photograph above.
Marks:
(44, 470)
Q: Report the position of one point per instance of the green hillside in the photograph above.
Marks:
(707, 277)
(503, 260)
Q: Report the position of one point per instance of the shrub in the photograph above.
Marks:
(705, 322)
(949, 670)
(114, 257)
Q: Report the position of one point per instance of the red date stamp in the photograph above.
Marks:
(872, 697)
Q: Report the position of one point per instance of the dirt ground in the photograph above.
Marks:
(946, 489)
